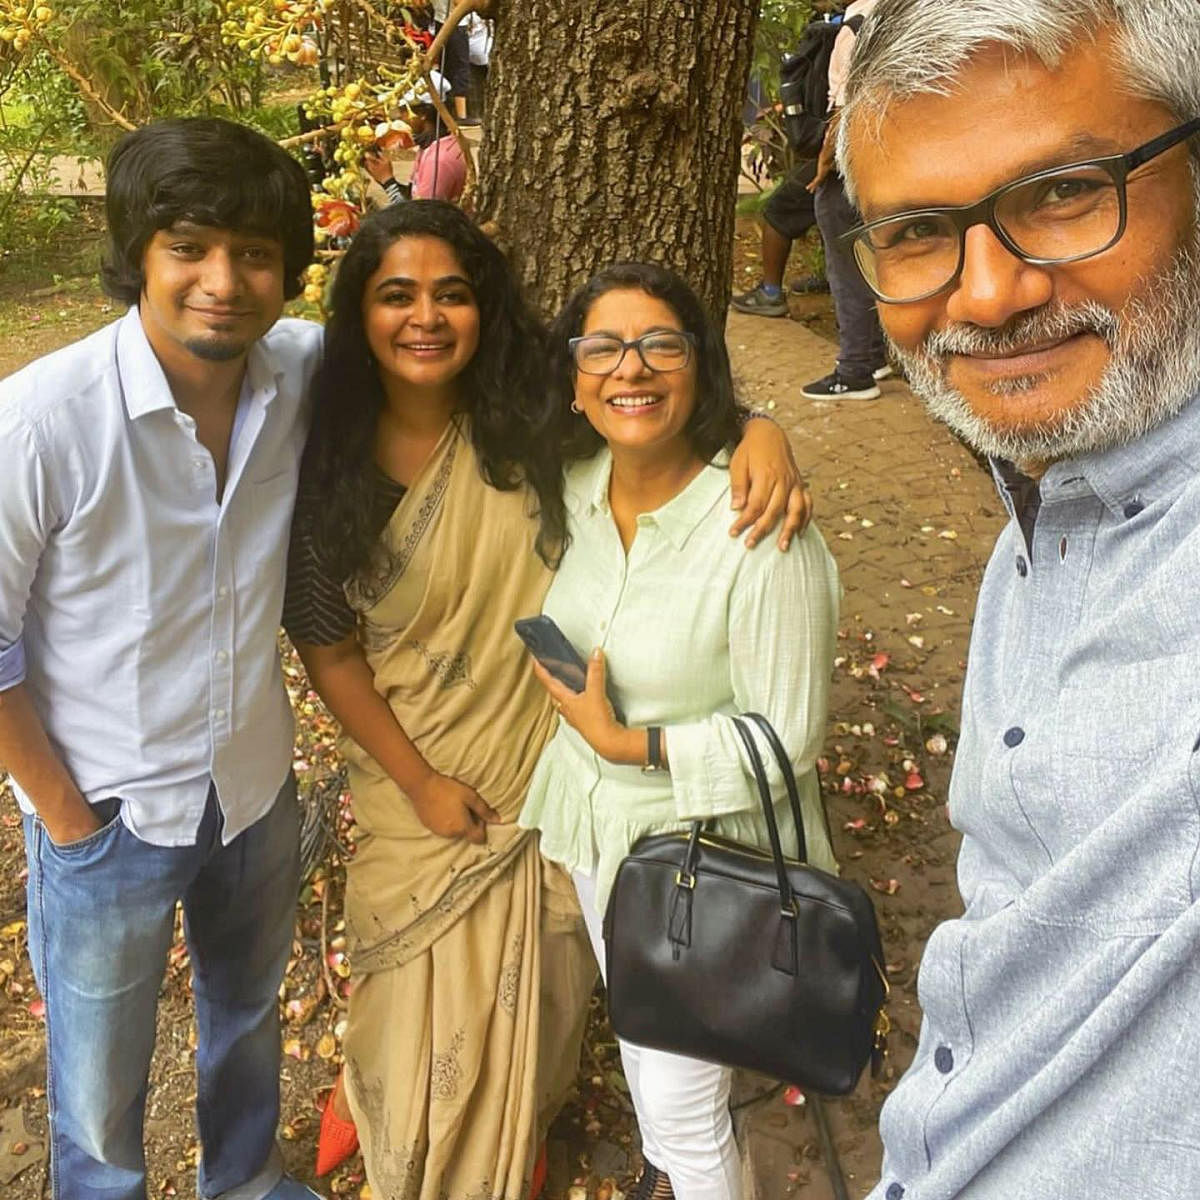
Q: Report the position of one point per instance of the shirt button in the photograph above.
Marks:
(1022, 566)
(943, 1059)
(1014, 737)
(220, 714)
(1132, 509)
(221, 656)
(222, 592)
(895, 1191)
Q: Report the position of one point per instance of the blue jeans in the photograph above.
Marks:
(101, 918)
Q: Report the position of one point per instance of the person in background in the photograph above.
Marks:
(684, 628)
(788, 215)
(439, 171)
(480, 31)
(455, 61)
(862, 354)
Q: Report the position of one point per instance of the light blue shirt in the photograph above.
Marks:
(141, 613)
(1059, 1054)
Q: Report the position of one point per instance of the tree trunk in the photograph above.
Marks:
(613, 133)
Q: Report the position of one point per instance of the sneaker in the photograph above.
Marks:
(884, 372)
(809, 285)
(757, 303)
(835, 387)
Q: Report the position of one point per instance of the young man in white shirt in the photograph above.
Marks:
(150, 473)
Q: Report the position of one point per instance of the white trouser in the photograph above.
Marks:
(682, 1104)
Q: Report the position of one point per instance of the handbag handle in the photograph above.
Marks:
(785, 956)
(686, 874)
(786, 901)
(789, 778)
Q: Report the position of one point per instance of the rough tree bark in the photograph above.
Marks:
(613, 132)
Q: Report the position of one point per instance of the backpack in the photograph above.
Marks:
(804, 83)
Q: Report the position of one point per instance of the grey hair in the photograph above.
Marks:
(914, 47)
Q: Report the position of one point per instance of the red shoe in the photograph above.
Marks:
(539, 1174)
(337, 1140)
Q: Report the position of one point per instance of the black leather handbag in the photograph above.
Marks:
(736, 955)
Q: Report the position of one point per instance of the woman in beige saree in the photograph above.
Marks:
(454, 1005)
(430, 507)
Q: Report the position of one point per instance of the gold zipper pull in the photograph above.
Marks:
(879, 1046)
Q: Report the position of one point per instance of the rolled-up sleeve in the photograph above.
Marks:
(782, 631)
(27, 516)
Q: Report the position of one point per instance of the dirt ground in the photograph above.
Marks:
(910, 517)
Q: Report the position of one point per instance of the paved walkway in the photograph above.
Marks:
(910, 518)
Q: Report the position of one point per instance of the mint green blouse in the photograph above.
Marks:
(695, 628)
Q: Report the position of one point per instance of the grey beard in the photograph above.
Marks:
(216, 348)
(1152, 372)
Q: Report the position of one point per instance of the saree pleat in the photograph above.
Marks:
(472, 968)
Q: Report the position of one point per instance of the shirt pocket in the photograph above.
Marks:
(1120, 822)
(262, 528)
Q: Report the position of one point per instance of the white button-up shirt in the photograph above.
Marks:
(141, 613)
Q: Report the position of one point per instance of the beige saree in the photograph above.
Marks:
(473, 971)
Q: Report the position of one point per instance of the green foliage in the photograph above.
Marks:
(40, 106)
(780, 24)
(163, 57)
(152, 58)
(41, 115)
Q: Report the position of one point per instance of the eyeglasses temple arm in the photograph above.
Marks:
(1161, 144)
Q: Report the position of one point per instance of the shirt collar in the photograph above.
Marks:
(144, 385)
(1155, 466)
(678, 518)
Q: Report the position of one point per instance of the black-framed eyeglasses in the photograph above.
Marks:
(659, 350)
(1060, 215)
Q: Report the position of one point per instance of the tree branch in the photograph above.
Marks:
(84, 84)
(313, 135)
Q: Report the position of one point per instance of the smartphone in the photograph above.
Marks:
(548, 644)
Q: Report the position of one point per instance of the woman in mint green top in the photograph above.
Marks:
(685, 627)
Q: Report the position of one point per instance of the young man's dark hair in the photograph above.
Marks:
(208, 171)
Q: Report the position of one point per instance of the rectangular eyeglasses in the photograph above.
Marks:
(1060, 215)
(660, 350)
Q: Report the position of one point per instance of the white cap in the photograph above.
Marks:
(420, 93)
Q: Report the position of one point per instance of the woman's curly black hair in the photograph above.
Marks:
(716, 421)
(502, 390)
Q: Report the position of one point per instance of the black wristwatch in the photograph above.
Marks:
(654, 761)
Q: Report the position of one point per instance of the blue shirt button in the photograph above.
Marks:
(1014, 736)
(1022, 566)
(943, 1059)
(895, 1192)
(1132, 509)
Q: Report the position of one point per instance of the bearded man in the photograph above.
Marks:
(1028, 173)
